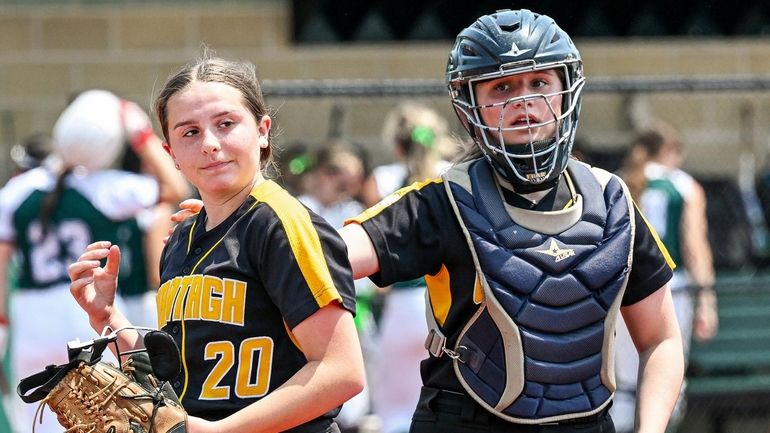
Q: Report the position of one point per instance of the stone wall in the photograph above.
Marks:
(48, 52)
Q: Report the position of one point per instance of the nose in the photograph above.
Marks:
(210, 142)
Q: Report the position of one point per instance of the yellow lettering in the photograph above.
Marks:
(165, 299)
(202, 297)
(193, 303)
(211, 298)
(181, 295)
(234, 302)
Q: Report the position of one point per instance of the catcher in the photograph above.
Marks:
(89, 395)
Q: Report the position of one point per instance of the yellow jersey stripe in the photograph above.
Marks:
(659, 242)
(440, 294)
(303, 239)
(292, 337)
(389, 200)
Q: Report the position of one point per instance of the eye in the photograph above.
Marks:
(540, 82)
(190, 132)
(501, 86)
(226, 123)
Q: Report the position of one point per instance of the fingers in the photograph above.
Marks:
(168, 235)
(113, 261)
(187, 208)
(191, 204)
(89, 260)
(181, 215)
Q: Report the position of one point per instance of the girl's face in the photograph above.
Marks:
(515, 107)
(215, 139)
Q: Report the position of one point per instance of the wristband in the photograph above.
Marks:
(140, 139)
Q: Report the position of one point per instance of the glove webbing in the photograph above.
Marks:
(47, 379)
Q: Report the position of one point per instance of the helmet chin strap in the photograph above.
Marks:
(517, 185)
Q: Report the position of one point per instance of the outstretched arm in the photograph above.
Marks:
(361, 253)
(654, 329)
(149, 147)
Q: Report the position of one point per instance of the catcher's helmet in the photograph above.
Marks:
(89, 132)
(507, 43)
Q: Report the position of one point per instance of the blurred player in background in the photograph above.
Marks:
(675, 204)
(50, 213)
(420, 136)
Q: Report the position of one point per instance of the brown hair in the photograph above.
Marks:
(240, 75)
(422, 137)
(645, 147)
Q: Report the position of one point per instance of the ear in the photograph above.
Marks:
(167, 148)
(263, 126)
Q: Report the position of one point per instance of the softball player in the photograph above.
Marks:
(255, 290)
(675, 204)
(528, 256)
(50, 213)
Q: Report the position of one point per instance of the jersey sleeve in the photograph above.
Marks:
(7, 231)
(304, 264)
(652, 266)
(410, 230)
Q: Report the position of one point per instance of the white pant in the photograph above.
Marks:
(627, 362)
(42, 322)
(402, 338)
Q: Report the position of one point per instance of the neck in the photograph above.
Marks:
(219, 208)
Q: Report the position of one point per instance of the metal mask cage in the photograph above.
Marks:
(536, 155)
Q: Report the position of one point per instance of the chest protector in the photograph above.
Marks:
(539, 347)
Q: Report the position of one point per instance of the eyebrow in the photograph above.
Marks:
(189, 122)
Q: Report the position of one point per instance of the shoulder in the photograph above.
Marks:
(427, 191)
(117, 194)
(275, 208)
(37, 178)
(683, 182)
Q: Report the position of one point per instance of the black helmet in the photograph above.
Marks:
(507, 43)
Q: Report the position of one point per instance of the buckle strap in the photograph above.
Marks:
(435, 342)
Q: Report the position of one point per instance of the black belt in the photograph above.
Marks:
(456, 403)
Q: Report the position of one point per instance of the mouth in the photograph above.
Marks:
(525, 120)
(215, 165)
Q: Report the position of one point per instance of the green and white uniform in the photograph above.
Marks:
(43, 314)
(662, 203)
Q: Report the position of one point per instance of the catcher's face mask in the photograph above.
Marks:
(526, 135)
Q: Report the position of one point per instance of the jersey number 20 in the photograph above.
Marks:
(253, 353)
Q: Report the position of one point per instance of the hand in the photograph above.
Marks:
(93, 286)
(187, 208)
(137, 125)
(706, 321)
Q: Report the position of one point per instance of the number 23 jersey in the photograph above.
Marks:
(241, 287)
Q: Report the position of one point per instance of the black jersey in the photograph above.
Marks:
(415, 232)
(230, 297)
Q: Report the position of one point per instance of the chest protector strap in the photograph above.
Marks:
(539, 347)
